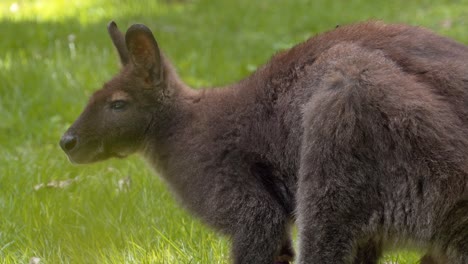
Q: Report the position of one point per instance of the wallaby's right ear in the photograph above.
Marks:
(119, 42)
(144, 53)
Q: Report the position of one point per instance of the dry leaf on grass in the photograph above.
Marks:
(124, 184)
(56, 184)
(34, 260)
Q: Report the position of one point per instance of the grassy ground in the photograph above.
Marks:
(53, 54)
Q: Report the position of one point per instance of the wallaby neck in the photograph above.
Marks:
(175, 153)
(188, 117)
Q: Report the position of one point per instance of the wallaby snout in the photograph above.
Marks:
(77, 153)
(68, 142)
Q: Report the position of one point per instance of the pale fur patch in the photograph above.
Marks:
(119, 95)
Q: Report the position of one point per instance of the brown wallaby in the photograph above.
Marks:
(359, 135)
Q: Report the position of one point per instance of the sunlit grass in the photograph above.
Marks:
(47, 10)
(55, 53)
(85, 11)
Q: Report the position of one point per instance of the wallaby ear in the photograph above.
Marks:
(119, 42)
(144, 52)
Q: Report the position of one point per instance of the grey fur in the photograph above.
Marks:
(360, 134)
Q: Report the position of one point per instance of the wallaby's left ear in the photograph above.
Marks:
(144, 52)
(119, 42)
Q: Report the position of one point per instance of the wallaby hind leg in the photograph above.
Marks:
(452, 236)
(332, 223)
(361, 130)
(339, 201)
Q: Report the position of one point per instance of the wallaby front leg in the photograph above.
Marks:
(259, 239)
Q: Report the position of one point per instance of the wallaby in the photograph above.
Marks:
(358, 135)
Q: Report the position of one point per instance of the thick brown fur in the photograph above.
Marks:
(359, 135)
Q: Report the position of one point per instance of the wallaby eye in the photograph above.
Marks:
(118, 105)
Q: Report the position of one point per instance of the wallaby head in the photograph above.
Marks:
(118, 116)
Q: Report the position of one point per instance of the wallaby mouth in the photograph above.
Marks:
(88, 151)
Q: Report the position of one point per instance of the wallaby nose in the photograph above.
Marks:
(68, 142)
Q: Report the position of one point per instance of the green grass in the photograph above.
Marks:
(53, 54)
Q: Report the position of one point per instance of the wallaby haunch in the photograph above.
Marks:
(359, 135)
